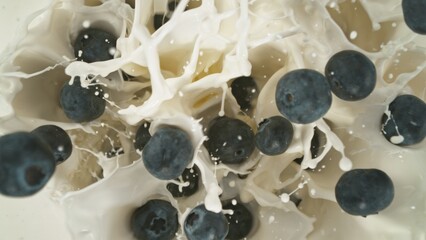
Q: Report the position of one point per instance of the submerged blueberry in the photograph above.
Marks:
(82, 104)
(155, 220)
(414, 15)
(203, 224)
(364, 192)
(230, 140)
(142, 136)
(168, 153)
(245, 91)
(351, 75)
(303, 96)
(274, 135)
(57, 139)
(240, 221)
(93, 45)
(405, 122)
(189, 175)
(26, 164)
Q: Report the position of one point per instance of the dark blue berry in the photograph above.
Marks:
(82, 104)
(245, 91)
(317, 145)
(160, 20)
(405, 124)
(155, 220)
(26, 164)
(351, 75)
(240, 221)
(303, 96)
(274, 135)
(364, 192)
(190, 175)
(414, 15)
(168, 153)
(94, 45)
(142, 136)
(230, 140)
(57, 139)
(203, 224)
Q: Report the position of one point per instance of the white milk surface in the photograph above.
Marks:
(91, 197)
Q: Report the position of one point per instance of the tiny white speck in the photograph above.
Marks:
(234, 202)
(106, 95)
(86, 24)
(112, 51)
(353, 35)
(86, 36)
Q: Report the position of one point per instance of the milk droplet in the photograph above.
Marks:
(397, 139)
(285, 197)
(345, 164)
(86, 24)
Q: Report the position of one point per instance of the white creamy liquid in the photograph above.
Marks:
(214, 43)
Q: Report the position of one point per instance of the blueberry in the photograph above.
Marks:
(203, 224)
(245, 91)
(82, 104)
(190, 175)
(230, 140)
(167, 153)
(240, 221)
(94, 45)
(57, 139)
(414, 15)
(160, 20)
(303, 96)
(405, 124)
(142, 136)
(274, 135)
(155, 220)
(26, 164)
(363, 192)
(316, 146)
(351, 75)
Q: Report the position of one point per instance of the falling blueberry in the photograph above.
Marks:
(240, 220)
(57, 139)
(82, 104)
(26, 164)
(94, 45)
(155, 220)
(351, 75)
(303, 96)
(168, 153)
(274, 135)
(364, 192)
(414, 15)
(230, 140)
(245, 91)
(142, 136)
(203, 224)
(404, 122)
